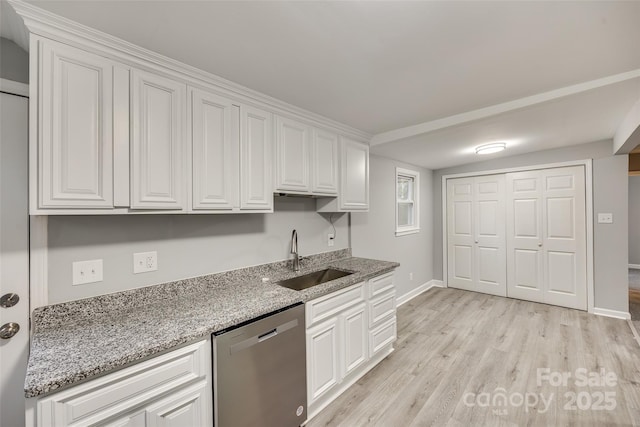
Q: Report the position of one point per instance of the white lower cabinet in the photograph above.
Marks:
(173, 389)
(354, 340)
(348, 332)
(322, 355)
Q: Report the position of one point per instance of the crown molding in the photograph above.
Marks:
(505, 107)
(46, 24)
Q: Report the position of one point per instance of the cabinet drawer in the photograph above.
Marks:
(381, 307)
(328, 305)
(382, 336)
(117, 392)
(380, 284)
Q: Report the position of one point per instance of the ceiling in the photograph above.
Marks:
(385, 65)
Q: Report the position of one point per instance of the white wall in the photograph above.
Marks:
(609, 195)
(634, 220)
(373, 233)
(187, 245)
(14, 62)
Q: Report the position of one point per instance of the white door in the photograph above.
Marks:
(525, 261)
(256, 144)
(324, 162)
(355, 338)
(354, 177)
(476, 234)
(292, 155)
(489, 244)
(14, 257)
(75, 139)
(158, 143)
(547, 236)
(323, 364)
(215, 135)
(460, 238)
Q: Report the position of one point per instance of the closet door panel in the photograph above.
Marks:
(525, 263)
(489, 245)
(565, 237)
(460, 233)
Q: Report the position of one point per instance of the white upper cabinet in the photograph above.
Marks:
(353, 194)
(75, 143)
(215, 148)
(306, 159)
(256, 150)
(114, 133)
(354, 179)
(158, 145)
(324, 163)
(292, 156)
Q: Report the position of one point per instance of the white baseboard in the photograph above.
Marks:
(636, 266)
(624, 315)
(420, 289)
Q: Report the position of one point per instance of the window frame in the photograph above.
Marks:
(415, 227)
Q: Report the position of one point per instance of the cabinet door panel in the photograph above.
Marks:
(355, 338)
(256, 141)
(158, 145)
(188, 407)
(76, 141)
(323, 364)
(136, 419)
(354, 188)
(292, 155)
(324, 160)
(215, 175)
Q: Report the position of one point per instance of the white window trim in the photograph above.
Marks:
(403, 231)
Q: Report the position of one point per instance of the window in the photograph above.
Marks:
(407, 202)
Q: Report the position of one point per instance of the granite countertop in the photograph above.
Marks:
(86, 338)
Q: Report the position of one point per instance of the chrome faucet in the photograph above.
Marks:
(295, 262)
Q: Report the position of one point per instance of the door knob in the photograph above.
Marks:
(8, 330)
(9, 300)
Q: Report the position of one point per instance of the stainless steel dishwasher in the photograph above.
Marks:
(260, 371)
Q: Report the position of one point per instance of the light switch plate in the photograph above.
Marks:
(605, 218)
(87, 272)
(143, 262)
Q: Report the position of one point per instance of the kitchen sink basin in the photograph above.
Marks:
(312, 279)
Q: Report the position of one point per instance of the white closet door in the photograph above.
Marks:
(460, 233)
(564, 244)
(476, 235)
(546, 230)
(525, 261)
(489, 244)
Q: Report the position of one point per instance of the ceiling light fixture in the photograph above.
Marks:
(494, 147)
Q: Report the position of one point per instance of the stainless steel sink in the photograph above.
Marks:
(312, 279)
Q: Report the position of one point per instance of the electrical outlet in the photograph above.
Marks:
(410, 276)
(87, 272)
(331, 239)
(605, 218)
(144, 262)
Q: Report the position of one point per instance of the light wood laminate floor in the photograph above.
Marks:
(459, 352)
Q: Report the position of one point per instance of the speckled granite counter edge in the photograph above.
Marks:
(52, 316)
(86, 308)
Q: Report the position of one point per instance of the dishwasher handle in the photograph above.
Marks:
(257, 339)
(272, 333)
